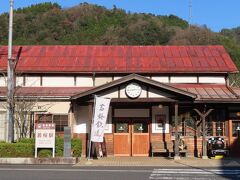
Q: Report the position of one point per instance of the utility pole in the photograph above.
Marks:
(190, 14)
(10, 79)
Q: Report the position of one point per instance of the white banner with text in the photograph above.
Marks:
(99, 119)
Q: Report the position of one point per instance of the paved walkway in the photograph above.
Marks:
(160, 162)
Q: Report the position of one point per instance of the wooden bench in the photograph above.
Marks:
(165, 147)
(162, 147)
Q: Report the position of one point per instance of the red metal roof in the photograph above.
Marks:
(46, 91)
(203, 91)
(209, 91)
(121, 59)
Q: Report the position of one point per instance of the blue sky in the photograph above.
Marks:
(216, 14)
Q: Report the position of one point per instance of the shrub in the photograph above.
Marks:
(27, 140)
(16, 150)
(26, 147)
(45, 153)
(76, 147)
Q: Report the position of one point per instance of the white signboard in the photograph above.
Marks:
(99, 119)
(45, 136)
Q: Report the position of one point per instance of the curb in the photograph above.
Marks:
(57, 160)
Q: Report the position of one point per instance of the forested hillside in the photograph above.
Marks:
(49, 24)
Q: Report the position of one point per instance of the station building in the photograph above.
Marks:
(148, 87)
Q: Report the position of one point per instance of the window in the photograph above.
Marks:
(61, 120)
(190, 124)
(187, 123)
(216, 123)
(236, 128)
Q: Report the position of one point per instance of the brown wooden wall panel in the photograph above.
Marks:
(140, 145)
(109, 144)
(160, 137)
(122, 144)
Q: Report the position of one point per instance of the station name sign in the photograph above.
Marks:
(45, 136)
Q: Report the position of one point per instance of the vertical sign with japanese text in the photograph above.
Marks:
(45, 136)
(99, 118)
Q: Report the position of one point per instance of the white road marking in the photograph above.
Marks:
(182, 174)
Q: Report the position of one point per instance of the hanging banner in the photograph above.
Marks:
(99, 119)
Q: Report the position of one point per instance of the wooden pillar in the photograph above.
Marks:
(176, 142)
(230, 133)
(203, 117)
(90, 115)
(204, 144)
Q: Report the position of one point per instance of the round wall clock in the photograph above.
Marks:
(133, 90)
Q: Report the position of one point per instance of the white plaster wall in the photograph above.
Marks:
(153, 93)
(122, 92)
(54, 107)
(81, 120)
(161, 111)
(32, 81)
(3, 81)
(181, 79)
(144, 92)
(116, 77)
(19, 81)
(102, 80)
(162, 79)
(3, 125)
(84, 81)
(113, 93)
(131, 112)
(108, 127)
(57, 81)
(215, 80)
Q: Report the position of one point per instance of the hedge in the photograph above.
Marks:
(25, 148)
(16, 150)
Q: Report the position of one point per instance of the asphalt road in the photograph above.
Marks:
(58, 172)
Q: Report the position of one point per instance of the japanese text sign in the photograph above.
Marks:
(99, 118)
(45, 135)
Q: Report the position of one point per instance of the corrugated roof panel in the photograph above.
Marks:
(175, 52)
(208, 91)
(136, 51)
(221, 93)
(227, 91)
(220, 61)
(212, 93)
(228, 61)
(167, 52)
(214, 51)
(170, 58)
(170, 63)
(199, 51)
(159, 51)
(203, 93)
(187, 62)
(151, 51)
(178, 62)
(190, 51)
(202, 62)
(196, 63)
(183, 51)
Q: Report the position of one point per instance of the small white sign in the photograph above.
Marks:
(45, 136)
